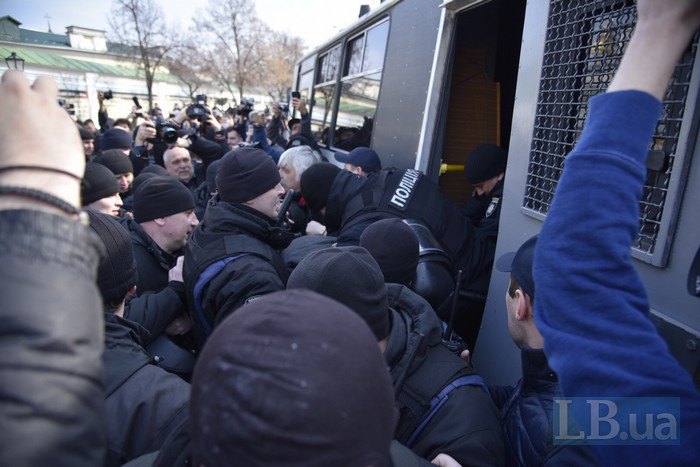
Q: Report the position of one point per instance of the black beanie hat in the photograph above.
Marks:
(161, 197)
(98, 182)
(154, 169)
(116, 273)
(350, 276)
(394, 245)
(292, 379)
(484, 163)
(212, 170)
(140, 179)
(316, 183)
(85, 134)
(115, 138)
(116, 161)
(246, 173)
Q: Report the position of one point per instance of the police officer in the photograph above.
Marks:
(484, 170)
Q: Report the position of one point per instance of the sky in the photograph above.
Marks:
(315, 21)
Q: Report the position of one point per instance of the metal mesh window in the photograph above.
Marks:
(584, 44)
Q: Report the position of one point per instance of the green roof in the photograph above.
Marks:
(54, 60)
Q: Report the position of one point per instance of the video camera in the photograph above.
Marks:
(199, 109)
(164, 132)
(108, 95)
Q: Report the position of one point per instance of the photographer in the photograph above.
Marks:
(277, 131)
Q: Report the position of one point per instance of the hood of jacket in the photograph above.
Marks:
(123, 354)
(345, 186)
(223, 217)
(410, 316)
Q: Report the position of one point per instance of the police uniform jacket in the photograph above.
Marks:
(355, 202)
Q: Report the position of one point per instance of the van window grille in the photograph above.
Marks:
(584, 43)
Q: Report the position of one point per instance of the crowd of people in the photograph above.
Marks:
(262, 306)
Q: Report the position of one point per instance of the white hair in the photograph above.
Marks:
(300, 157)
(171, 150)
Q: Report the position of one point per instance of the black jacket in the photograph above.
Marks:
(355, 202)
(201, 195)
(152, 263)
(466, 427)
(526, 417)
(240, 280)
(156, 310)
(144, 404)
(51, 395)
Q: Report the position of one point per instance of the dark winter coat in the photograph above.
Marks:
(156, 310)
(152, 263)
(466, 427)
(51, 394)
(526, 417)
(484, 213)
(144, 403)
(242, 279)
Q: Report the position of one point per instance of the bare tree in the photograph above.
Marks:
(187, 64)
(283, 51)
(236, 55)
(139, 26)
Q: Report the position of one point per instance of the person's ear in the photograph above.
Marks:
(523, 310)
(131, 291)
(160, 221)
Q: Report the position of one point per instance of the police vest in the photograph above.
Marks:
(407, 194)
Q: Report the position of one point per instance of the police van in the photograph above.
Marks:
(423, 82)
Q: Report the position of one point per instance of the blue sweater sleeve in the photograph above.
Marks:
(591, 307)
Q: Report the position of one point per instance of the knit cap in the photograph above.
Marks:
(98, 182)
(484, 163)
(292, 379)
(394, 245)
(116, 161)
(316, 183)
(155, 169)
(161, 196)
(212, 170)
(116, 272)
(350, 276)
(115, 138)
(246, 173)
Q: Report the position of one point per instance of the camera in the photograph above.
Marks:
(246, 106)
(199, 109)
(284, 107)
(164, 133)
(108, 94)
(169, 135)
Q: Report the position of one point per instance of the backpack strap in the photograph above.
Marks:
(439, 400)
(427, 389)
(218, 254)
